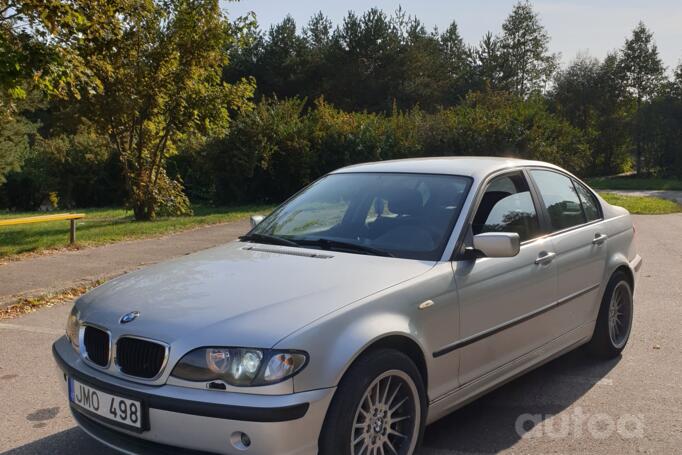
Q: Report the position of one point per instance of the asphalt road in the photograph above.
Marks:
(574, 405)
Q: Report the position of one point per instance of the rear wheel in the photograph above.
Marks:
(614, 322)
(379, 408)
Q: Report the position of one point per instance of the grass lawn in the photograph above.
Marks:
(633, 183)
(107, 225)
(643, 205)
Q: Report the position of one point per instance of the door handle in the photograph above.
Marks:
(545, 258)
(599, 239)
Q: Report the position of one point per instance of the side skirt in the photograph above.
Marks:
(470, 391)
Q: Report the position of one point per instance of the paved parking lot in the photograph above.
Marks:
(574, 405)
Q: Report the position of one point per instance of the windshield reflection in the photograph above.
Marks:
(389, 214)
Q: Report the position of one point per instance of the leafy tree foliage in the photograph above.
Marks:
(280, 146)
(15, 132)
(642, 72)
(369, 62)
(489, 63)
(527, 63)
(38, 57)
(588, 94)
(150, 101)
(161, 78)
(38, 44)
(77, 165)
(641, 66)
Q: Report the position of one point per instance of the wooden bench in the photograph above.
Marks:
(72, 217)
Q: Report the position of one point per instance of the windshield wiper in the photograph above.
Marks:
(329, 244)
(267, 238)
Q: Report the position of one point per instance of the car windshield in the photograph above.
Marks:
(401, 215)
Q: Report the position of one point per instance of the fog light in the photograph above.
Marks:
(240, 440)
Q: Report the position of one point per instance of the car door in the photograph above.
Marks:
(502, 300)
(577, 232)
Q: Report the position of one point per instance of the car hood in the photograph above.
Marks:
(240, 294)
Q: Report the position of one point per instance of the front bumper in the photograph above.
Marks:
(183, 419)
(636, 264)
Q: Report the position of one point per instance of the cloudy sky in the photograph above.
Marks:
(577, 26)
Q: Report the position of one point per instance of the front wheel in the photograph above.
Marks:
(379, 408)
(614, 322)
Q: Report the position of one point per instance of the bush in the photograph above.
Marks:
(279, 147)
(78, 167)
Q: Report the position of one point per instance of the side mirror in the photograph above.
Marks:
(255, 219)
(498, 244)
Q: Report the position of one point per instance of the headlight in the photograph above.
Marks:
(239, 366)
(73, 325)
(283, 365)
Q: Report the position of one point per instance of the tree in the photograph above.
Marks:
(488, 64)
(642, 74)
(281, 61)
(363, 50)
(677, 83)
(457, 61)
(587, 94)
(421, 73)
(613, 110)
(318, 32)
(661, 129)
(162, 87)
(317, 36)
(38, 41)
(575, 91)
(38, 57)
(528, 65)
(15, 132)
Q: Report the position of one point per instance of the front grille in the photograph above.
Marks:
(141, 358)
(96, 343)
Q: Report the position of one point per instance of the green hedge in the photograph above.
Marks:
(280, 146)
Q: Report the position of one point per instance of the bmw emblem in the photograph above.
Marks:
(129, 317)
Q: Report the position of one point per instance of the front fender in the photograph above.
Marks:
(335, 344)
(336, 340)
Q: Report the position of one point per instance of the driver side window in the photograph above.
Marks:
(507, 206)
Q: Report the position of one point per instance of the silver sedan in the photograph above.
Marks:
(377, 300)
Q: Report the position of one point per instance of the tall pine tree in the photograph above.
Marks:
(642, 73)
(525, 49)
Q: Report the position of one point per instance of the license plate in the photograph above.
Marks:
(110, 407)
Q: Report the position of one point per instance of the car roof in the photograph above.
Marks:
(477, 167)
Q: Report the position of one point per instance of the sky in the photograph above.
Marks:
(579, 26)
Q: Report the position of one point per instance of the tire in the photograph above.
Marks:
(611, 333)
(386, 368)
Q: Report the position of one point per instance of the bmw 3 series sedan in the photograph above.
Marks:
(377, 300)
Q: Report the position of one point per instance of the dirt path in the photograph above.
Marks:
(65, 270)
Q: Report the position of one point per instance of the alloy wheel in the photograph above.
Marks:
(620, 314)
(388, 417)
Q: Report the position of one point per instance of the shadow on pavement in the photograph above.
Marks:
(73, 442)
(488, 425)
